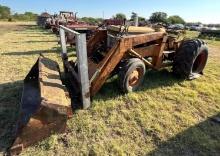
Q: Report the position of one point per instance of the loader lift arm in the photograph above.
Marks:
(94, 74)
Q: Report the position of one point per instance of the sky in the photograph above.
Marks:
(205, 11)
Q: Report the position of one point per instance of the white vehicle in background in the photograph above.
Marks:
(213, 28)
(177, 27)
(210, 28)
(196, 27)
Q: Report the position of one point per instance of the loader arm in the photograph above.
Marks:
(91, 78)
(118, 51)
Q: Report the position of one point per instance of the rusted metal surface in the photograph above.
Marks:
(99, 36)
(89, 30)
(143, 45)
(135, 76)
(112, 59)
(93, 67)
(147, 51)
(144, 38)
(131, 29)
(142, 58)
(45, 106)
(159, 58)
(117, 52)
(77, 26)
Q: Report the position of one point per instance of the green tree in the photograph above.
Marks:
(133, 15)
(5, 12)
(27, 16)
(158, 17)
(92, 20)
(89, 20)
(120, 16)
(99, 20)
(141, 18)
(176, 20)
(30, 16)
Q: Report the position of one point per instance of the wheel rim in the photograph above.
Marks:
(135, 77)
(200, 62)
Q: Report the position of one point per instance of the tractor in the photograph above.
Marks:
(49, 99)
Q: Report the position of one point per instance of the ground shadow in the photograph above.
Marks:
(162, 78)
(200, 140)
(10, 95)
(71, 52)
(31, 32)
(32, 29)
(42, 41)
(50, 41)
(29, 25)
(31, 36)
(153, 79)
(35, 52)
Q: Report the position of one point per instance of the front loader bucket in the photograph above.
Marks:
(45, 106)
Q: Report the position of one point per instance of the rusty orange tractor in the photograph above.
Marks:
(125, 51)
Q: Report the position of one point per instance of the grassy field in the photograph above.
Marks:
(165, 117)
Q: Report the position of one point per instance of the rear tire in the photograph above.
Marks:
(190, 59)
(131, 75)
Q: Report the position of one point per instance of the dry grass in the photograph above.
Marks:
(166, 116)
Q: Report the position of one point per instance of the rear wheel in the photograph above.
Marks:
(131, 75)
(190, 59)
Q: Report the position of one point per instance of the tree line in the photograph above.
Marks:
(6, 14)
(156, 17)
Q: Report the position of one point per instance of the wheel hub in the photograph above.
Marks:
(199, 63)
(134, 77)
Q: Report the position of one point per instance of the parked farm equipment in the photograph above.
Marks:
(124, 51)
(63, 18)
(210, 33)
(68, 19)
(43, 20)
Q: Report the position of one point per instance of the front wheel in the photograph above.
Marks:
(131, 75)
